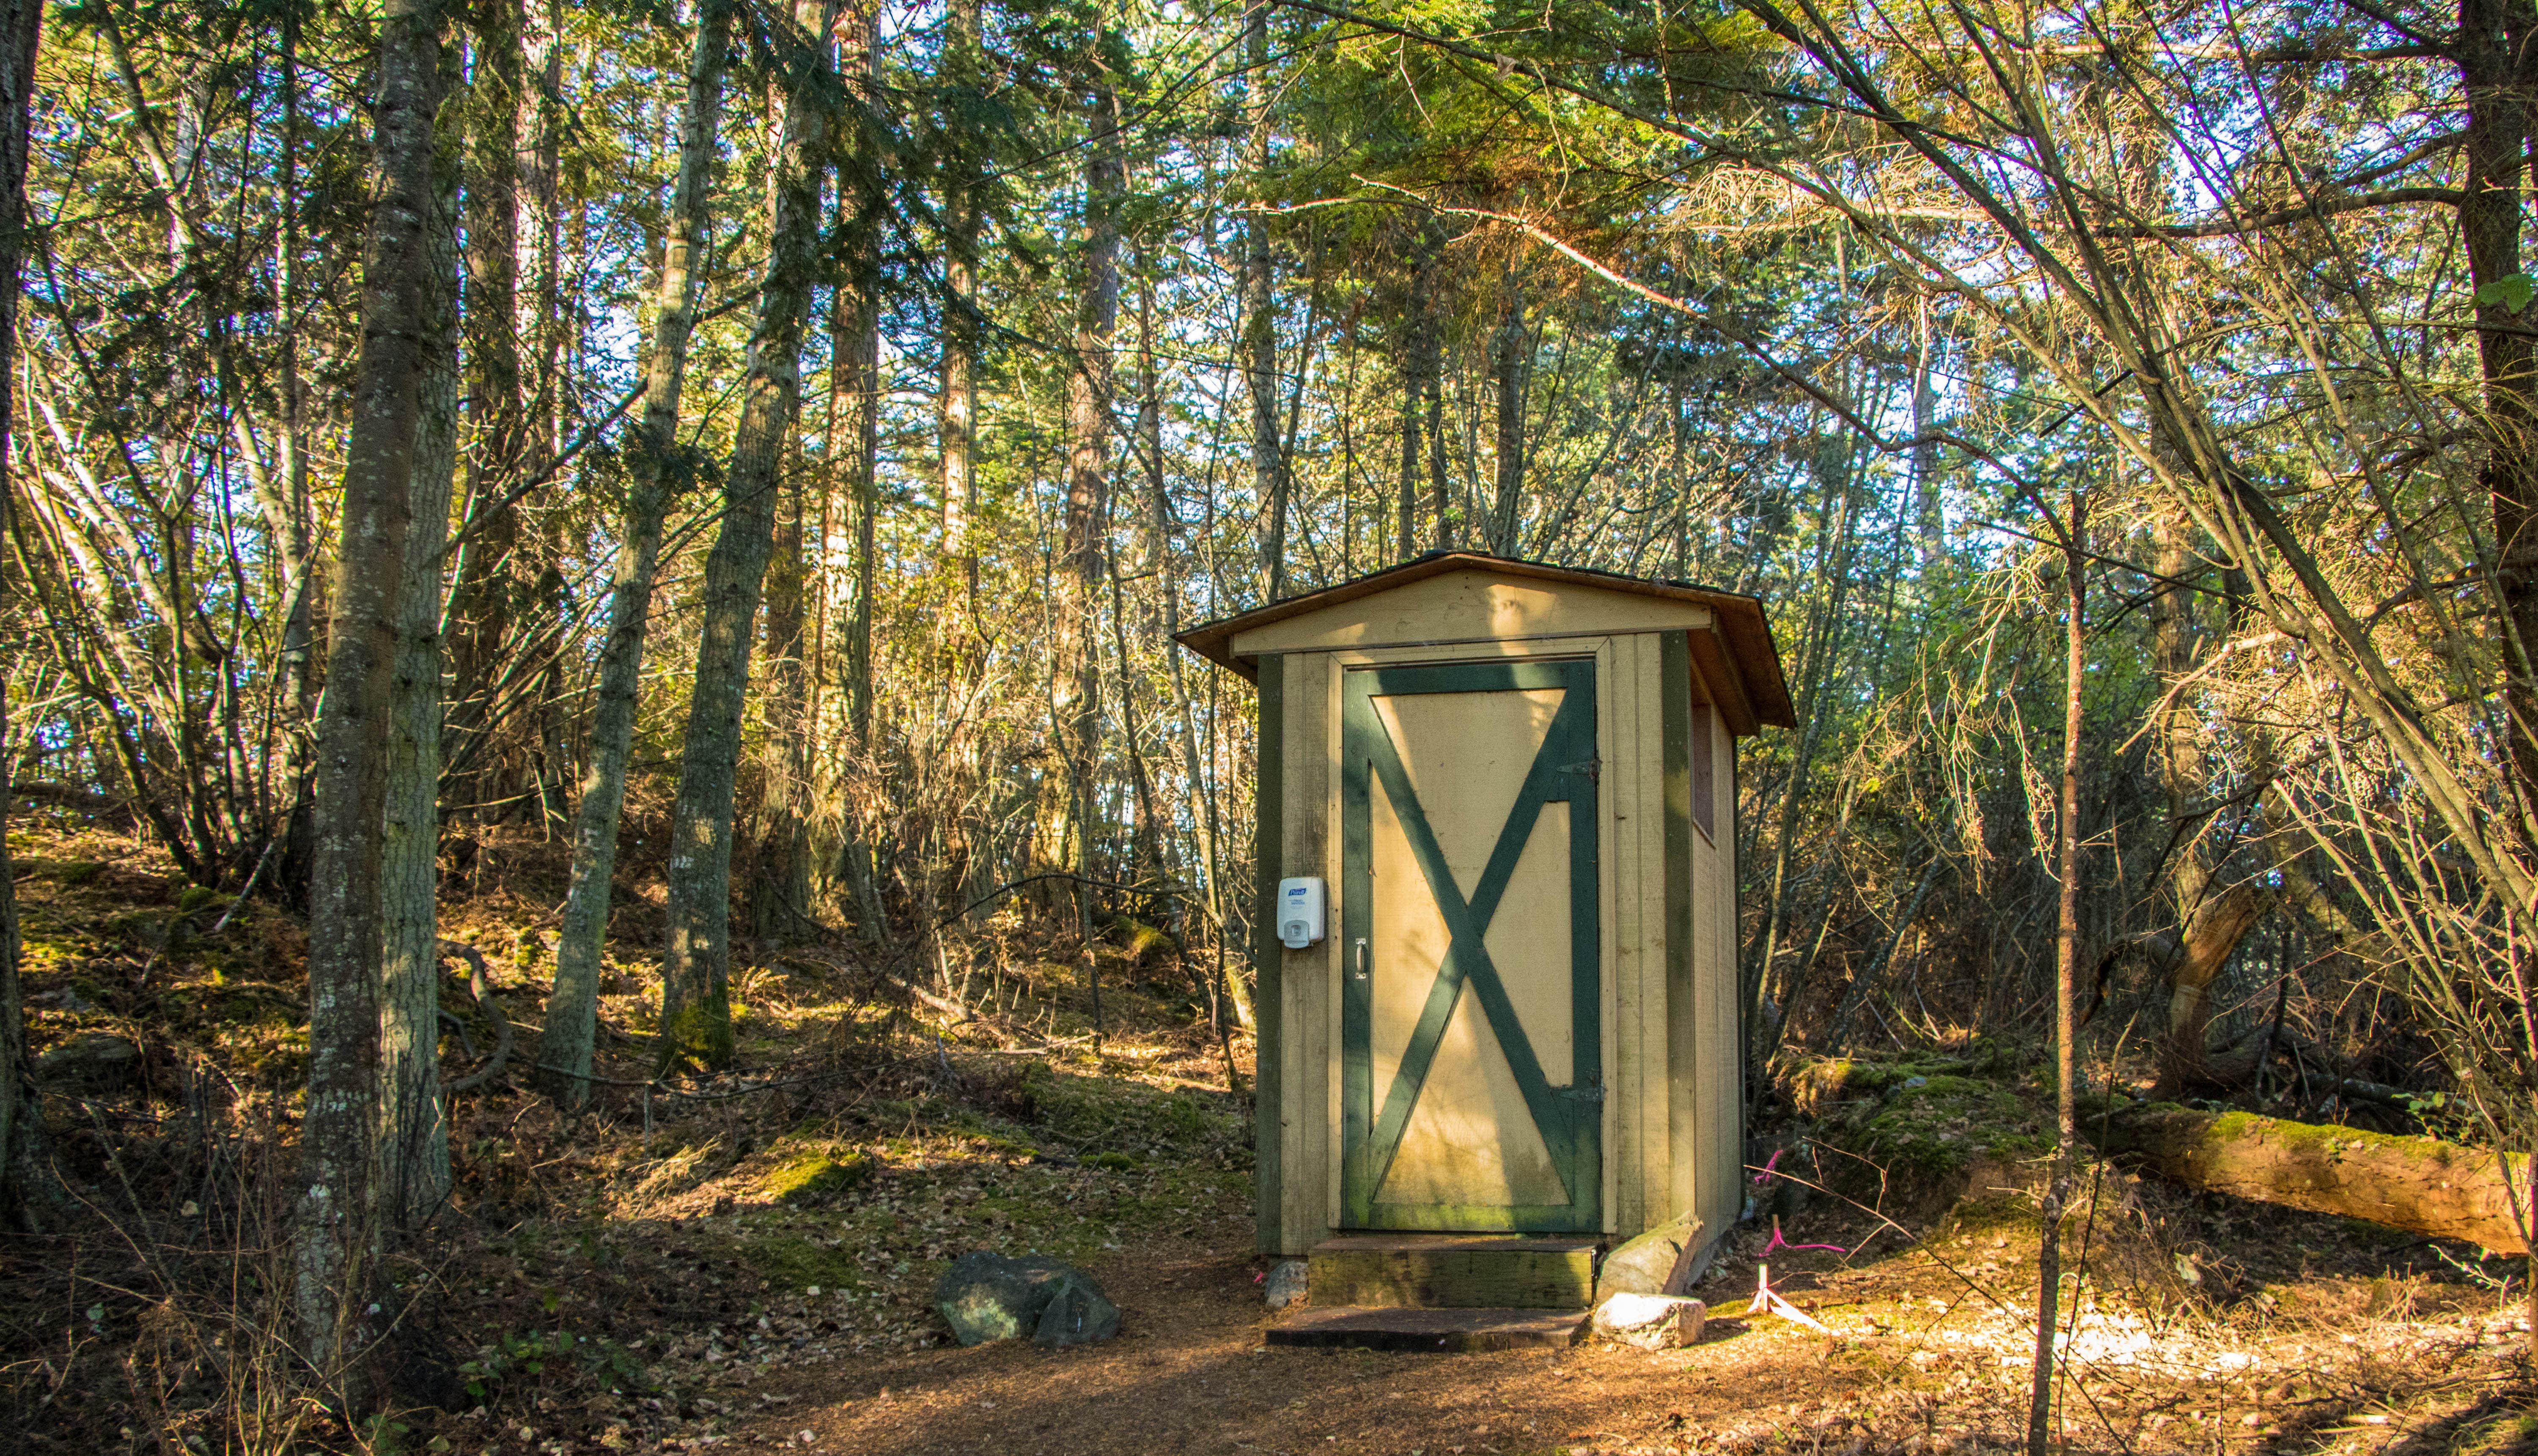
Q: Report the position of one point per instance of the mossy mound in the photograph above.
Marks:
(815, 1175)
(1925, 1121)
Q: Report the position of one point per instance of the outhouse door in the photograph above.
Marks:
(1471, 1035)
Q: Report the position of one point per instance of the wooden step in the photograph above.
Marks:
(1440, 1330)
(1453, 1272)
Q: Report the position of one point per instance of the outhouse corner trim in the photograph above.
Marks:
(1268, 967)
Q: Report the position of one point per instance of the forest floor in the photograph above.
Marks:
(746, 1264)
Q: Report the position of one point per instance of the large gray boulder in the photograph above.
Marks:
(1078, 1313)
(1657, 1262)
(986, 1296)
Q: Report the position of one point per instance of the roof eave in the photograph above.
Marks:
(1745, 630)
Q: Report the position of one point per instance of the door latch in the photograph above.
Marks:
(1361, 957)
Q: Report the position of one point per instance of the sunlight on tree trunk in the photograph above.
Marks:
(2073, 530)
(696, 966)
(335, 1264)
(658, 469)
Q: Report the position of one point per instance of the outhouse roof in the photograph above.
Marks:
(1510, 597)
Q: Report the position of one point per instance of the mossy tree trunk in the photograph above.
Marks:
(2423, 1185)
(655, 472)
(695, 992)
(334, 1268)
(413, 1136)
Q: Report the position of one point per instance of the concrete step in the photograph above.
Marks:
(1446, 1330)
(1453, 1272)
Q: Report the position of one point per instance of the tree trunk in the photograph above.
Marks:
(780, 880)
(2066, 975)
(1076, 674)
(2212, 932)
(483, 779)
(544, 725)
(1929, 507)
(414, 1136)
(656, 471)
(334, 1270)
(696, 966)
(2423, 1185)
(957, 404)
(855, 347)
(21, 25)
(1418, 384)
(1260, 305)
(1823, 635)
(2210, 923)
(1509, 361)
(2492, 52)
(2496, 53)
(1166, 531)
(286, 508)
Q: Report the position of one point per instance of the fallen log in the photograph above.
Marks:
(2423, 1185)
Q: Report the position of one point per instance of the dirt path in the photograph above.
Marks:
(1188, 1373)
(1915, 1362)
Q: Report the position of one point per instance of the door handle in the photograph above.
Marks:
(1361, 957)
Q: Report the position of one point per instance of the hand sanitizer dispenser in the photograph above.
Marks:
(1300, 911)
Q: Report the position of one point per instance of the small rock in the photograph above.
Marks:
(1288, 1282)
(1078, 1313)
(1652, 1321)
(1657, 1262)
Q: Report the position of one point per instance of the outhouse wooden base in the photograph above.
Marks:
(1444, 1331)
(1446, 1272)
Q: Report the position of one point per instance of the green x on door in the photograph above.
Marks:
(1471, 1047)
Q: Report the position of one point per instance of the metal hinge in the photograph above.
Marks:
(1592, 1091)
(1593, 768)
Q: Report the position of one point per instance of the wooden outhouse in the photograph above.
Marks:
(1517, 785)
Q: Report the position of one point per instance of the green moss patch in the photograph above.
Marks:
(817, 1175)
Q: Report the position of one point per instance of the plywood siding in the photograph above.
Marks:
(1673, 1137)
(1645, 831)
(1308, 1051)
